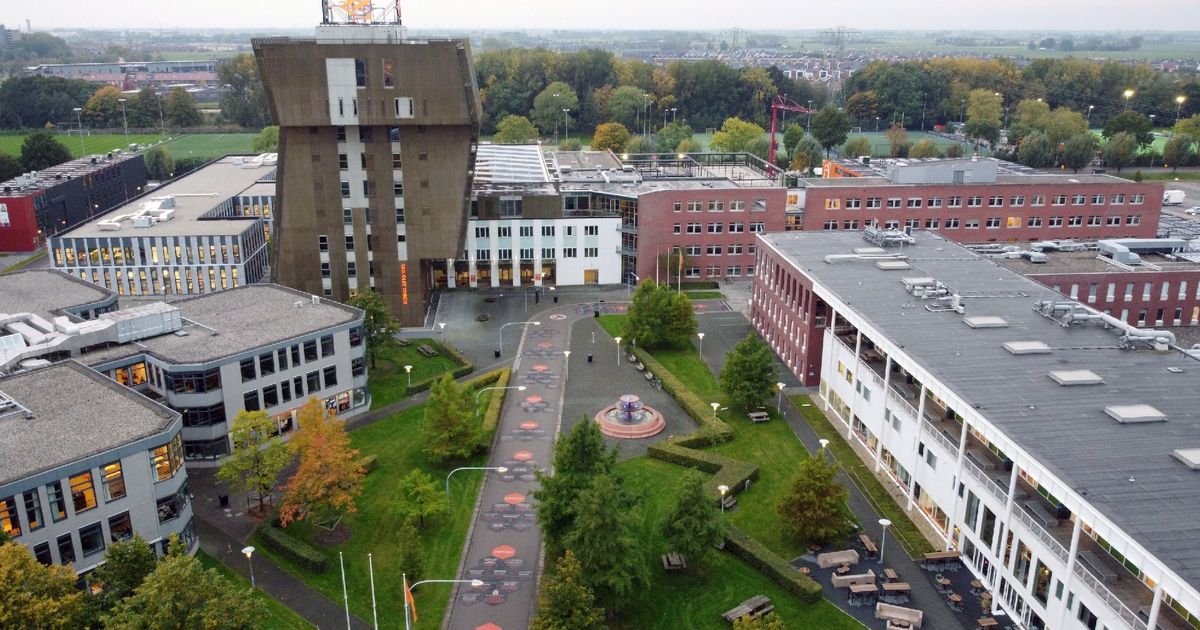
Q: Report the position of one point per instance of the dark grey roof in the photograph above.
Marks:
(46, 292)
(77, 413)
(1125, 472)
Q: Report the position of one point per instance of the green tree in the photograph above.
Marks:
(694, 525)
(954, 151)
(626, 104)
(791, 137)
(578, 458)
(103, 109)
(672, 135)
(565, 602)
(1120, 150)
(830, 127)
(418, 496)
(379, 327)
(982, 131)
(769, 621)
(660, 317)
(605, 539)
(863, 105)
(267, 140)
(983, 116)
(639, 144)
(807, 155)
(159, 164)
(28, 102)
(1177, 152)
(1079, 151)
(180, 109)
(549, 104)
(924, 148)
(243, 99)
(611, 136)
(688, 145)
(142, 109)
(898, 140)
(812, 509)
(182, 594)
(257, 458)
(748, 377)
(41, 150)
(1036, 151)
(410, 559)
(126, 565)
(570, 144)
(10, 167)
(33, 595)
(1062, 124)
(760, 148)
(856, 146)
(515, 129)
(1189, 126)
(735, 135)
(451, 430)
(1133, 123)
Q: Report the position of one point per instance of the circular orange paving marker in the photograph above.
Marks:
(540, 367)
(488, 626)
(529, 425)
(535, 399)
(514, 498)
(522, 456)
(504, 552)
(545, 344)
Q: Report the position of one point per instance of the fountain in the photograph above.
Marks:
(630, 419)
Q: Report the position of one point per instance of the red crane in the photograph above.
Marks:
(786, 104)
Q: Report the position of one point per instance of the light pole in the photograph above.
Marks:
(556, 126)
(566, 123)
(479, 393)
(883, 522)
(673, 110)
(876, 123)
(633, 279)
(646, 114)
(1128, 94)
(79, 124)
(808, 122)
(1089, 116)
(722, 489)
(824, 444)
(161, 121)
(500, 344)
(249, 551)
(715, 406)
(618, 340)
(701, 336)
(1179, 100)
(124, 120)
(442, 331)
(962, 114)
(499, 469)
(779, 399)
(408, 371)
(410, 587)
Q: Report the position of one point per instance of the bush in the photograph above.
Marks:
(498, 378)
(733, 473)
(369, 463)
(291, 547)
(770, 564)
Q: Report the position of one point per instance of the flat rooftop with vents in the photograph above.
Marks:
(1120, 427)
(49, 293)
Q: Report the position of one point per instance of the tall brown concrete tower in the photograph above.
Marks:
(377, 137)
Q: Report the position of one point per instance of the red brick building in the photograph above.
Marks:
(980, 200)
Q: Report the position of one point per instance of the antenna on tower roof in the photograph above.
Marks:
(359, 12)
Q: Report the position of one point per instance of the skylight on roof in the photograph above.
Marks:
(985, 321)
(1076, 377)
(1026, 347)
(1134, 414)
(893, 265)
(869, 250)
(1189, 456)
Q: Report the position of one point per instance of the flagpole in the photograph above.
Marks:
(345, 595)
(407, 621)
(374, 610)
(656, 262)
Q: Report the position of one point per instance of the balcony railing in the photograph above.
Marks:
(626, 228)
(1112, 601)
(875, 377)
(845, 345)
(899, 399)
(988, 483)
(1040, 532)
(940, 438)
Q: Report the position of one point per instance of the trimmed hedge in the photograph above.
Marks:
(292, 548)
(733, 473)
(772, 565)
(497, 378)
(369, 463)
(712, 430)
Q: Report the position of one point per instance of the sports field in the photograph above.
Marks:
(99, 143)
(210, 144)
(189, 145)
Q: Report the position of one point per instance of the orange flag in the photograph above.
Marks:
(409, 598)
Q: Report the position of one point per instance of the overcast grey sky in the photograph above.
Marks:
(1037, 15)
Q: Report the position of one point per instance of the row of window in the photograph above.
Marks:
(976, 201)
(526, 231)
(526, 253)
(736, 227)
(105, 255)
(166, 461)
(736, 249)
(718, 205)
(714, 271)
(991, 223)
(366, 161)
(168, 281)
(286, 391)
(1147, 289)
(268, 362)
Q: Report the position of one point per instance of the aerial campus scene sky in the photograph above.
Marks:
(924, 15)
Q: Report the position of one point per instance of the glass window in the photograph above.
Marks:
(266, 363)
(310, 350)
(169, 507)
(285, 391)
(91, 539)
(327, 346)
(41, 552)
(58, 501)
(83, 492)
(167, 459)
(330, 376)
(281, 357)
(270, 396)
(389, 75)
(114, 481)
(66, 549)
(313, 382)
(358, 367)
(120, 527)
(250, 400)
(248, 373)
(296, 354)
(356, 335)
(10, 523)
(33, 510)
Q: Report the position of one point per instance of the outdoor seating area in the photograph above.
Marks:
(758, 416)
(942, 561)
(752, 608)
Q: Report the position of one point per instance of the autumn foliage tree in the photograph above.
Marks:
(257, 458)
(36, 596)
(611, 136)
(329, 476)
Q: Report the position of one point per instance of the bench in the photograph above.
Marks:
(868, 545)
(649, 376)
(1099, 569)
(729, 501)
(427, 350)
(1040, 514)
(753, 608)
(910, 616)
(640, 366)
(847, 581)
(891, 575)
(895, 592)
(403, 342)
(759, 416)
(674, 561)
(834, 558)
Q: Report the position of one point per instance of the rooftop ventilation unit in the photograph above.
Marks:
(985, 321)
(1076, 377)
(1026, 347)
(885, 238)
(893, 265)
(1135, 414)
(1189, 456)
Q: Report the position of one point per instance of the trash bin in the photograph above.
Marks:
(497, 354)
(589, 358)
(556, 299)
(223, 500)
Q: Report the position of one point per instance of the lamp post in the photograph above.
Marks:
(824, 444)
(633, 279)
(618, 340)
(499, 469)
(479, 393)
(556, 126)
(1089, 116)
(646, 114)
(124, 120)
(408, 371)
(500, 340)
(405, 596)
(883, 522)
(673, 110)
(161, 121)
(779, 399)
(701, 336)
(722, 489)
(962, 114)
(876, 123)
(808, 122)
(1128, 94)
(715, 406)
(566, 123)
(79, 125)
(1179, 100)
(249, 551)
(442, 331)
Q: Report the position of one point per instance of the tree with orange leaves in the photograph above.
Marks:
(329, 476)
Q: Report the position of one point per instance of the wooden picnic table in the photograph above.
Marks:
(863, 588)
(899, 587)
(942, 555)
(427, 350)
(759, 416)
(754, 608)
(674, 561)
(890, 574)
(987, 622)
(955, 597)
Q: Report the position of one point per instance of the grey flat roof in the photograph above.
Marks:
(1032, 179)
(65, 172)
(46, 292)
(77, 413)
(1065, 428)
(195, 194)
(1092, 262)
(244, 318)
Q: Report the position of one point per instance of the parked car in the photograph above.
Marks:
(1193, 210)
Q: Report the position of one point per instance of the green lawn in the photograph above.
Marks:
(696, 598)
(397, 444)
(92, 144)
(685, 363)
(1191, 176)
(389, 382)
(211, 144)
(279, 617)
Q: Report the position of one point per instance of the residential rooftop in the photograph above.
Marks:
(195, 195)
(47, 292)
(29, 183)
(75, 413)
(1125, 472)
